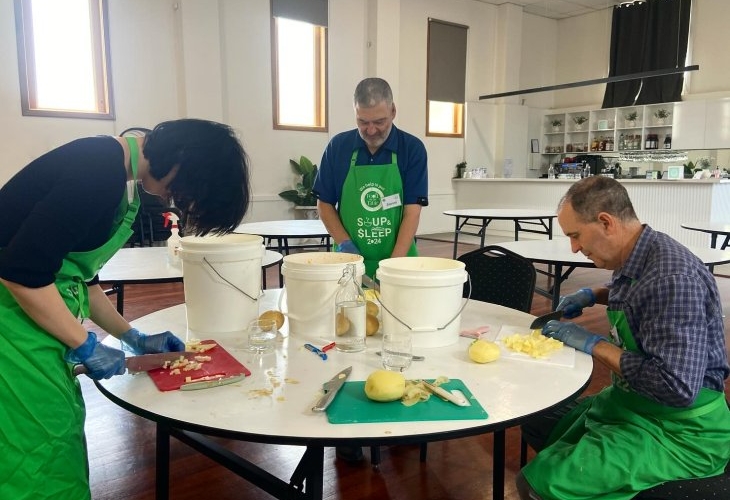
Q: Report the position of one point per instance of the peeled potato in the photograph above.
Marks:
(372, 307)
(342, 324)
(483, 351)
(385, 385)
(275, 315)
(372, 325)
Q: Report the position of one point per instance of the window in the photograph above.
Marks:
(299, 64)
(446, 80)
(63, 58)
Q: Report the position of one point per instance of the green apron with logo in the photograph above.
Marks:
(42, 411)
(371, 210)
(619, 443)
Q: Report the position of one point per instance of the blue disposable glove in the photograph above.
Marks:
(348, 246)
(572, 335)
(100, 361)
(140, 343)
(572, 305)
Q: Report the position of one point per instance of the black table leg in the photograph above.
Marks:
(498, 452)
(456, 236)
(162, 464)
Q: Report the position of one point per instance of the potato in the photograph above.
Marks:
(342, 324)
(385, 385)
(372, 307)
(276, 316)
(372, 325)
(483, 351)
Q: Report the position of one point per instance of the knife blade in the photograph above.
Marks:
(215, 382)
(541, 321)
(145, 362)
(370, 283)
(331, 387)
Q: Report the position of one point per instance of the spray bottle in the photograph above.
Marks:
(173, 242)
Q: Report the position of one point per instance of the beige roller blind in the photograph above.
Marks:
(308, 11)
(446, 61)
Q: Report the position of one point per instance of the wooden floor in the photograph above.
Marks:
(122, 446)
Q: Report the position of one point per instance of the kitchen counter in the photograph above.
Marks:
(663, 204)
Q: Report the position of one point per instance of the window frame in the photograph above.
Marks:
(99, 29)
(320, 41)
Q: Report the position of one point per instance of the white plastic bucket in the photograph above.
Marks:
(422, 296)
(310, 283)
(222, 281)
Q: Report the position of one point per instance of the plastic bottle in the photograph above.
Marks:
(350, 310)
(173, 242)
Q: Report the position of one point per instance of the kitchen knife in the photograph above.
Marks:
(214, 382)
(541, 321)
(448, 396)
(145, 362)
(330, 389)
(370, 283)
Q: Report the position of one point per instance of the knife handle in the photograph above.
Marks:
(79, 369)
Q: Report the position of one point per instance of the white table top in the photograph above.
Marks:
(305, 228)
(557, 251)
(507, 388)
(502, 213)
(708, 227)
(151, 264)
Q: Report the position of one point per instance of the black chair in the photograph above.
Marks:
(498, 276)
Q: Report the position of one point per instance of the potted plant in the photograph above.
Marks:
(556, 123)
(460, 168)
(630, 118)
(579, 121)
(661, 115)
(302, 195)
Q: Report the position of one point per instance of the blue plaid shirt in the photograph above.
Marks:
(673, 308)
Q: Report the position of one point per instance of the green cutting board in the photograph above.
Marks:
(351, 406)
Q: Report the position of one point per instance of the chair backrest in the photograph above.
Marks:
(500, 276)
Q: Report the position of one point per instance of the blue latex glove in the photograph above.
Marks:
(572, 335)
(101, 361)
(348, 246)
(572, 305)
(139, 343)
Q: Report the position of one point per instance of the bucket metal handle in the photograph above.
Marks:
(255, 299)
(315, 311)
(426, 329)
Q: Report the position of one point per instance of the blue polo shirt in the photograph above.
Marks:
(335, 164)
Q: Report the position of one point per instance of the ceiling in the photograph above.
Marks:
(558, 9)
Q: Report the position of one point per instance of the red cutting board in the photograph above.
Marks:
(221, 364)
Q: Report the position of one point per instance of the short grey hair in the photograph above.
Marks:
(371, 92)
(597, 194)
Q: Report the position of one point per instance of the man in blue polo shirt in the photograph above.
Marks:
(373, 181)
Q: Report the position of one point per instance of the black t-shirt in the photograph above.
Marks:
(64, 201)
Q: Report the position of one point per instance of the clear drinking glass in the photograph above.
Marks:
(261, 335)
(397, 351)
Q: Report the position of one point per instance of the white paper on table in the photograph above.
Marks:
(563, 357)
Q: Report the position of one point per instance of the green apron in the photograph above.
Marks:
(619, 443)
(371, 210)
(42, 412)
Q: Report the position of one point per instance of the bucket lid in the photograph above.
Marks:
(436, 265)
(331, 259)
(208, 242)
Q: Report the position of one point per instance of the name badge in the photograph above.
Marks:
(391, 201)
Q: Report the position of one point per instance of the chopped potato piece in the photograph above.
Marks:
(533, 344)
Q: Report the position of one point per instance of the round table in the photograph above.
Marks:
(714, 229)
(274, 404)
(283, 230)
(520, 217)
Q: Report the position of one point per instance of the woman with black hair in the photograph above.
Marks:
(65, 214)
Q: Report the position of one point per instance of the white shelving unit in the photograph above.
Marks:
(606, 131)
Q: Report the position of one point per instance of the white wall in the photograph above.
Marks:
(211, 59)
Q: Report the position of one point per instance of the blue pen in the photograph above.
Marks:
(316, 351)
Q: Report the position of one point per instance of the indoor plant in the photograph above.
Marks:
(302, 194)
(579, 121)
(661, 115)
(630, 118)
(556, 123)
